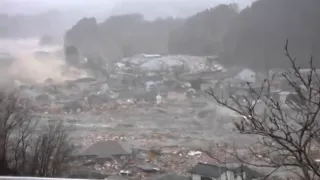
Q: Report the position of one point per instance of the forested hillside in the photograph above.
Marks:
(258, 35)
(121, 36)
(127, 35)
(254, 37)
(203, 33)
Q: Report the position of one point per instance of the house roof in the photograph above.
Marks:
(169, 176)
(104, 149)
(207, 170)
(147, 167)
(203, 75)
(116, 177)
(235, 71)
(83, 173)
(229, 73)
(210, 170)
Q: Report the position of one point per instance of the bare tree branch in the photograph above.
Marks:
(289, 131)
(26, 150)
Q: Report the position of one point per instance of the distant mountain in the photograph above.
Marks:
(258, 34)
(174, 8)
(203, 33)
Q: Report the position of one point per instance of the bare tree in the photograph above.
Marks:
(12, 114)
(289, 132)
(27, 147)
(44, 152)
(51, 151)
(20, 142)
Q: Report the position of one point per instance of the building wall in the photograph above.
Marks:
(196, 177)
(228, 175)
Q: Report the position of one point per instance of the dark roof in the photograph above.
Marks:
(210, 170)
(116, 177)
(105, 149)
(147, 167)
(169, 176)
(84, 80)
(207, 170)
(86, 174)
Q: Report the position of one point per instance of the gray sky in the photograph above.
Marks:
(99, 7)
(108, 2)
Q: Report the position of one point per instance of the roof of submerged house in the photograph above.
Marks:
(210, 170)
(207, 170)
(169, 176)
(105, 149)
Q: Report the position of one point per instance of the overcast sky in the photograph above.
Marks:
(68, 2)
(114, 6)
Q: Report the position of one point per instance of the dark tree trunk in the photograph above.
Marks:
(4, 167)
(5, 170)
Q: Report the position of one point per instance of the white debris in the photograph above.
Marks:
(187, 84)
(130, 101)
(159, 99)
(194, 153)
(125, 172)
(113, 95)
(120, 65)
(150, 55)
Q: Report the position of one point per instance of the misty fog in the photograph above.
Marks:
(135, 89)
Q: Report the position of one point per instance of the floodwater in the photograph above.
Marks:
(167, 125)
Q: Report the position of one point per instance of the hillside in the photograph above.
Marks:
(258, 35)
(253, 37)
(203, 33)
(121, 36)
(126, 35)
